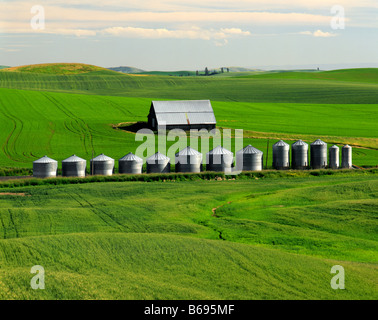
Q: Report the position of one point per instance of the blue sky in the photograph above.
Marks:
(176, 34)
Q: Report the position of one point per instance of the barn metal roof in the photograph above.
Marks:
(184, 112)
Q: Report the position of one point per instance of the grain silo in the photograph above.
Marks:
(158, 163)
(45, 167)
(74, 167)
(130, 163)
(281, 155)
(251, 158)
(299, 155)
(102, 165)
(346, 157)
(334, 153)
(219, 159)
(318, 154)
(188, 160)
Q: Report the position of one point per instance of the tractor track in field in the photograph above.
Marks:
(82, 128)
(10, 142)
(12, 221)
(98, 212)
(3, 225)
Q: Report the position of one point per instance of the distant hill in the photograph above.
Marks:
(132, 70)
(129, 70)
(4, 67)
(58, 68)
(240, 69)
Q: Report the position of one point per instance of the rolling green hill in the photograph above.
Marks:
(369, 75)
(268, 236)
(258, 88)
(126, 69)
(58, 124)
(255, 239)
(58, 69)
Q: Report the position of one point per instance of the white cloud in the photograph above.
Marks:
(161, 33)
(319, 33)
(75, 32)
(207, 5)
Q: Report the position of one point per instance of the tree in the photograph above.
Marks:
(222, 70)
(206, 71)
(197, 73)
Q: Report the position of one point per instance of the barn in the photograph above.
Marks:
(183, 114)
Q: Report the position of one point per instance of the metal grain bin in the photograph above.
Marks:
(102, 165)
(130, 163)
(219, 159)
(45, 167)
(346, 157)
(74, 167)
(299, 155)
(158, 163)
(334, 153)
(188, 160)
(251, 158)
(318, 154)
(281, 155)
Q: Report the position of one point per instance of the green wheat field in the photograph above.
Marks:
(268, 235)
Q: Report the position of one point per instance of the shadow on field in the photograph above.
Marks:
(132, 126)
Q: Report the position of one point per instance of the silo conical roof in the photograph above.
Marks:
(318, 142)
(250, 150)
(299, 143)
(219, 150)
(102, 157)
(158, 156)
(347, 146)
(334, 147)
(188, 151)
(131, 157)
(280, 143)
(45, 159)
(74, 158)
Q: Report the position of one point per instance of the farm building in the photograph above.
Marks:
(185, 114)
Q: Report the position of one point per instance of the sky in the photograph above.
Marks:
(191, 35)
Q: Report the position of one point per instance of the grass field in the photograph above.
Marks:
(269, 235)
(254, 239)
(287, 106)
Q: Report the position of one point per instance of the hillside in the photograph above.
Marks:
(369, 75)
(129, 70)
(35, 123)
(256, 239)
(57, 69)
(257, 88)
